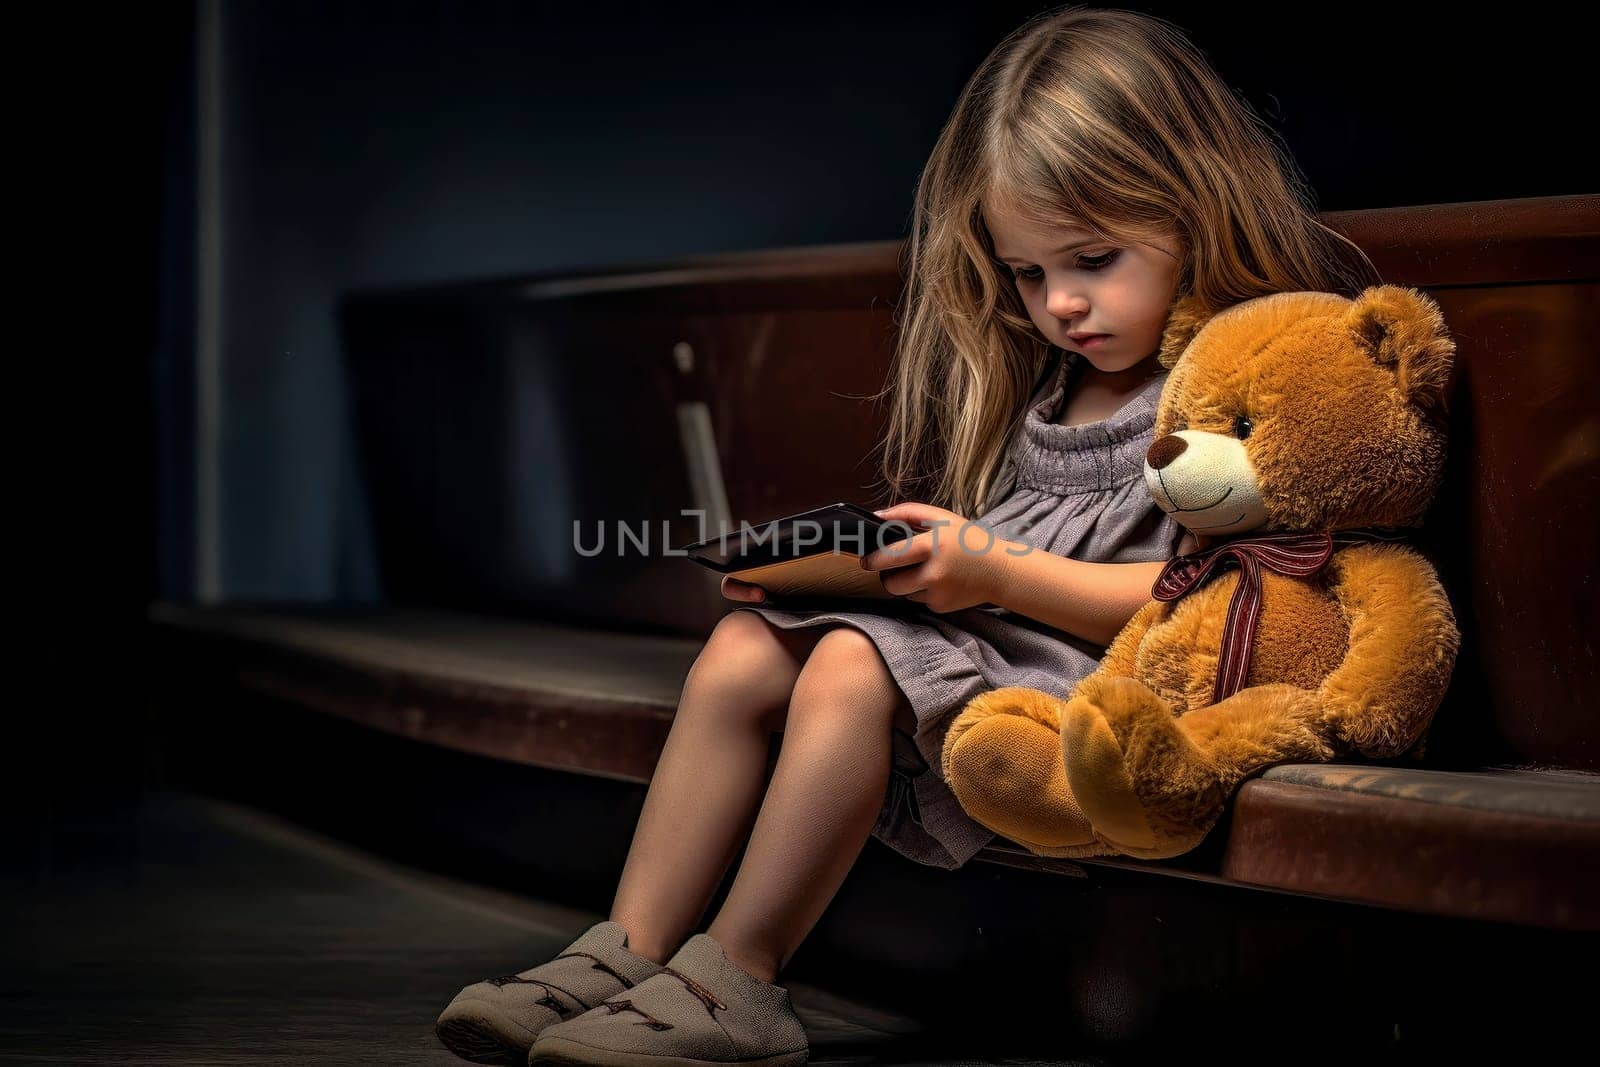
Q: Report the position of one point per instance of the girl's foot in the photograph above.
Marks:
(701, 1009)
(496, 1020)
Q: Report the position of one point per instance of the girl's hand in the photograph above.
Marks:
(956, 564)
(746, 592)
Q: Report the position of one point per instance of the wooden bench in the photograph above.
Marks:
(491, 417)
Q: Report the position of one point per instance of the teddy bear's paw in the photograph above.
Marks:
(1093, 759)
(1005, 770)
(1135, 714)
(1143, 784)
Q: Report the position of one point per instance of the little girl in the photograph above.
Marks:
(1095, 172)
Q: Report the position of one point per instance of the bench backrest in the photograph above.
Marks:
(493, 417)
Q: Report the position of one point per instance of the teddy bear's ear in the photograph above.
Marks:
(1404, 330)
(1187, 316)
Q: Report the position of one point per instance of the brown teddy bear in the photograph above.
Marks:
(1296, 432)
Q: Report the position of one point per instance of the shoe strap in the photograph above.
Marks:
(704, 995)
(601, 965)
(708, 998)
(615, 1006)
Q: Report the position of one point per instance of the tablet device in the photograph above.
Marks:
(813, 555)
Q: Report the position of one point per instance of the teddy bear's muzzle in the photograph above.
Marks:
(1206, 481)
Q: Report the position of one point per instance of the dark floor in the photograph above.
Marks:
(162, 925)
(197, 931)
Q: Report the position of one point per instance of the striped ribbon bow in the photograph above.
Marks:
(1289, 554)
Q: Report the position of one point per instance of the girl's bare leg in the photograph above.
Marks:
(825, 795)
(707, 784)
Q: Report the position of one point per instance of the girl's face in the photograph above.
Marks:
(1075, 284)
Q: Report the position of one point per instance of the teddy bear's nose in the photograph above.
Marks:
(1165, 451)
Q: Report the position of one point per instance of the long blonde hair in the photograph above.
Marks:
(1106, 119)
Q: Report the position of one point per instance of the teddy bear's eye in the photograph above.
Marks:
(1242, 426)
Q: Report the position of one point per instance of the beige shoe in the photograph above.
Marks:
(701, 1010)
(496, 1020)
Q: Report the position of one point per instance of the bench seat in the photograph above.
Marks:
(593, 702)
(1508, 844)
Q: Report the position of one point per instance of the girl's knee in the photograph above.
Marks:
(744, 668)
(737, 626)
(846, 675)
(747, 637)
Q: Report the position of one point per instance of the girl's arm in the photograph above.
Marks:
(1092, 600)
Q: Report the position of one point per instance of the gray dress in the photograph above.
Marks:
(1076, 491)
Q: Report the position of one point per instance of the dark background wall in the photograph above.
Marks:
(368, 145)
